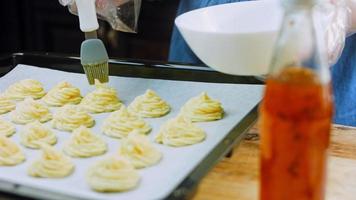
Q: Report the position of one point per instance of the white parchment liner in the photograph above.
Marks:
(156, 181)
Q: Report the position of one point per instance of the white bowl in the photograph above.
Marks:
(235, 38)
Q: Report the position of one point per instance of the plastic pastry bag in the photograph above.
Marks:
(121, 14)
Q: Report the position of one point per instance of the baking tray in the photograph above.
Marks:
(142, 69)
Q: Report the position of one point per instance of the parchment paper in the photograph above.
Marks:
(156, 181)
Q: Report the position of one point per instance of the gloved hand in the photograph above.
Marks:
(337, 18)
(351, 4)
(121, 14)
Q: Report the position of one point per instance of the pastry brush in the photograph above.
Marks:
(93, 55)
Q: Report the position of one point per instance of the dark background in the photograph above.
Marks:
(46, 26)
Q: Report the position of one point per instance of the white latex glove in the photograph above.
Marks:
(337, 20)
(351, 4)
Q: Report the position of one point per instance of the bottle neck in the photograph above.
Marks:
(299, 45)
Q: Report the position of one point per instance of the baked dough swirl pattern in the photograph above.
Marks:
(83, 143)
(34, 133)
(52, 164)
(10, 152)
(63, 93)
(180, 132)
(138, 149)
(112, 175)
(29, 111)
(102, 99)
(120, 123)
(6, 105)
(6, 128)
(70, 117)
(202, 108)
(25, 88)
(149, 105)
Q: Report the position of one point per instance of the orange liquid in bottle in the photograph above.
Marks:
(295, 122)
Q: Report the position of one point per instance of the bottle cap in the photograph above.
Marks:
(299, 3)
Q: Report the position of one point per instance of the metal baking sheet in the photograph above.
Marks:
(158, 181)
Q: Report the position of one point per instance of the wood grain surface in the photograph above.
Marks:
(237, 177)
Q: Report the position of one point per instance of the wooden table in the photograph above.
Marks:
(237, 177)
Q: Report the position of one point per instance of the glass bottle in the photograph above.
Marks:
(296, 111)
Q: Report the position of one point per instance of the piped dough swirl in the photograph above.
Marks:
(102, 99)
(83, 143)
(25, 88)
(70, 117)
(63, 93)
(35, 133)
(6, 128)
(10, 152)
(149, 105)
(120, 123)
(112, 175)
(180, 132)
(52, 164)
(29, 111)
(138, 149)
(6, 105)
(202, 108)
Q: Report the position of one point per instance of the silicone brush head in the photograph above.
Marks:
(94, 59)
